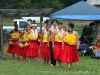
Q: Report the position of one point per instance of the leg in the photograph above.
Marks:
(69, 65)
(53, 62)
(29, 59)
(44, 61)
(18, 57)
(47, 61)
(13, 56)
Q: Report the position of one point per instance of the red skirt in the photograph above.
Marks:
(33, 49)
(69, 54)
(21, 50)
(45, 51)
(13, 49)
(57, 50)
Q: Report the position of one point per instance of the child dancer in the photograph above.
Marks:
(70, 52)
(15, 34)
(57, 43)
(34, 47)
(45, 51)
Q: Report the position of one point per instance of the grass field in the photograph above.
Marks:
(86, 65)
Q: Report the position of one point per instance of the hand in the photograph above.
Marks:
(62, 47)
(77, 47)
(53, 46)
(47, 44)
(40, 46)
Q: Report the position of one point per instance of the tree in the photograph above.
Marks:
(25, 4)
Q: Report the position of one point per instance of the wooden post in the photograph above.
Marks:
(50, 17)
(41, 19)
(2, 42)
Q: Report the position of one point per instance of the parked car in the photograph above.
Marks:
(37, 19)
(21, 25)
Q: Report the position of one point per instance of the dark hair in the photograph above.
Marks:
(70, 24)
(34, 21)
(15, 25)
(47, 25)
(54, 20)
(47, 21)
(60, 23)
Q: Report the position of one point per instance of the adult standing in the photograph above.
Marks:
(53, 28)
(70, 53)
(87, 32)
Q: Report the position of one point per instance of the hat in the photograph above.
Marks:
(32, 25)
(35, 24)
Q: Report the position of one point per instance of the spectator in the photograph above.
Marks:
(97, 48)
(87, 31)
(85, 45)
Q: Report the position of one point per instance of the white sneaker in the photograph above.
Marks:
(84, 51)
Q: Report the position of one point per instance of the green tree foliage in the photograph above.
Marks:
(25, 4)
(31, 4)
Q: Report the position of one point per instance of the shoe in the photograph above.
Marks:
(51, 64)
(57, 65)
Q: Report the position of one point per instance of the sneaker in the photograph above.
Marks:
(84, 51)
(51, 64)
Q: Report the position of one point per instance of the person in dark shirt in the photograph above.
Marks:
(87, 32)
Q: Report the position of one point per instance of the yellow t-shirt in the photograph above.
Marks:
(31, 36)
(70, 39)
(56, 38)
(44, 38)
(15, 35)
(25, 37)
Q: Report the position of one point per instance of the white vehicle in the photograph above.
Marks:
(37, 19)
(21, 25)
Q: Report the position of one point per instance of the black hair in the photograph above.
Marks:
(47, 21)
(15, 25)
(54, 20)
(60, 23)
(34, 21)
(70, 24)
(47, 25)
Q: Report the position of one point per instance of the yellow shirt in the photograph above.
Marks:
(25, 37)
(57, 38)
(45, 38)
(70, 39)
(15, 35)
(31, 36)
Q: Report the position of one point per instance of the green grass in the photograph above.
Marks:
(86, 65)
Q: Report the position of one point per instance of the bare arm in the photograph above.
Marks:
(53, 37)
(41, 39)
(63, 41)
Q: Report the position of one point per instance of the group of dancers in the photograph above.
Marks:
(53, 44)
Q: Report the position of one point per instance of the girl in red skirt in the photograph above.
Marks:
(25, 42)
(70, 52)
(13, 49)
(33, 48)
(45, 51)
(57, 43)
